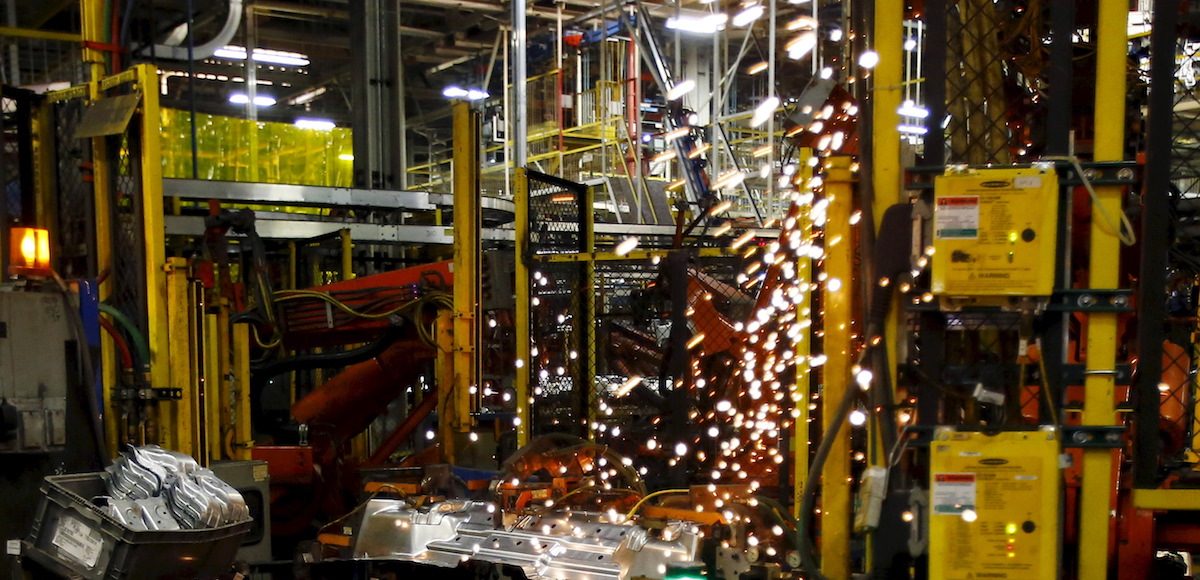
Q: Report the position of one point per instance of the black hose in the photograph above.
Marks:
(267, 371)
(809, 497)
(892, 260)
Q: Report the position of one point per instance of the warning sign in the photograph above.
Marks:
(957, 217)
(953, 493)
(994, 504)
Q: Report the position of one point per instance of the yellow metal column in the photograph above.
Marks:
(887, 83)
(347, 253)
(521, 219)
(178, 418)
(1095, 506)
(467, 251)
(839, 266)
(243, 437)
(212, 388)
(444, 375)
(153, 234)
(801, 391)
(93, 23)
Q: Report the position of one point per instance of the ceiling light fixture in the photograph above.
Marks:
(748, 15)
(680, 89)
(263, 56)
(708, 24)
(457, 92)
(315, 124)
(764, 111)
(307, 96)
(259, 100)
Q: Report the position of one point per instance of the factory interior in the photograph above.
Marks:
(600, 289)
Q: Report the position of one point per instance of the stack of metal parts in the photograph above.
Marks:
(557, 544)
(151, 488)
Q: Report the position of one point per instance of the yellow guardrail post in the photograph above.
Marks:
(467, 251)
(839, 265)
(524, 362)
(1095, 503)
(801, 391)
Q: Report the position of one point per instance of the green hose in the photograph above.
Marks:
(141, 346)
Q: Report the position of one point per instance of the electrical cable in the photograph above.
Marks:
(141, 347)
(809, 498)
(120, 342)
(1046, 383)
(892, 261)
(1124, 229)
(89, 370)
(633, 510)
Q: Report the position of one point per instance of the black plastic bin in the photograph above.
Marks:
(71, 536)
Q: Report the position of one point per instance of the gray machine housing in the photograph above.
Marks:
(34, 333)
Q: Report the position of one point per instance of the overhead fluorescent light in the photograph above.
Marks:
(708, 24)
(801, 45)
(748, 15)
(315, 124)
(764, 111)
(912, 129)
(910, 109)
(259, 100)
(263, 55)
(680, 89)
(307, 96)
(346, 156)
(457, 92)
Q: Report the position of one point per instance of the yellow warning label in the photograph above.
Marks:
(993, 505)
(994, 232)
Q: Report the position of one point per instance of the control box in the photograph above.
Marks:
(995, 232)
(994, 504)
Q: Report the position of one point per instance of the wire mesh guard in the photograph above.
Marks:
(128, 276)
(996, 64)
(73, 162)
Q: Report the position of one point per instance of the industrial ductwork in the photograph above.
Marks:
(201, 51)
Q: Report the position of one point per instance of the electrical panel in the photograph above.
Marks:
(995, 232)
(994, 505)
(34, 333)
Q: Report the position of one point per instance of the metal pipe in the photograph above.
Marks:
(1153, 272)
(520, 75)
(1060, 111)
(191, 66)
(252, 84)
(203, 51)
(770, 95)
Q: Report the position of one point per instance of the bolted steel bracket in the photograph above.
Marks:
(1094, 437)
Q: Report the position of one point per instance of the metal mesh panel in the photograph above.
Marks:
(559, 374)
(1185, 149)
(975, 83)
(128, 276)
(76, 229)
(37, 61)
